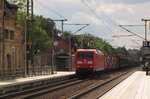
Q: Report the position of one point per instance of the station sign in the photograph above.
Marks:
(146, 44)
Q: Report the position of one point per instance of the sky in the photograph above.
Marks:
(104, 17)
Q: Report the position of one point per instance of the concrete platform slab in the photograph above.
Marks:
(136, 86)
(7, 83)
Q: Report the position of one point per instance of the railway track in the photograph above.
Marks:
(32, 91)
(100, 89)
(73, 88)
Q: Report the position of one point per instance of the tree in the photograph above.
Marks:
(89, 41)
(66, 35)
(135, 53)
(21, 4)
(42, 32)
(21, 7)
(122, 51)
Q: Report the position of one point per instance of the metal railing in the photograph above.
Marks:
(40, 70)
(13, 73)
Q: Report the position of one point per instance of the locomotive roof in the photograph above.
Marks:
(95, 50)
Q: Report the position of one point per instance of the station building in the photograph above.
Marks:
(60, 52)
(11, 38)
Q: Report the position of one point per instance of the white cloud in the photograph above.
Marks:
(131, 10)
(77, 12)
(85, 18)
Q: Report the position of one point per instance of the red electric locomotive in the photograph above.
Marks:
(89, 61)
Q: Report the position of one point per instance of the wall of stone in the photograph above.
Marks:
(1, 30)
(12, 47)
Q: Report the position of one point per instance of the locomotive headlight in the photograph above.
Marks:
(79, 62)
(90, 62)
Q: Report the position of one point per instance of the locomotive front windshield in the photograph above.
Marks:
(85, 55)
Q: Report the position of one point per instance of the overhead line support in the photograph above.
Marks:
(145, 27)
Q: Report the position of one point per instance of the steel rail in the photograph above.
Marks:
(81, 94)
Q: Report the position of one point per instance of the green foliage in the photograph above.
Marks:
(40, 31)
(66, 34)
(89, 41)
(103, 46)
(47, 24)
(122, 51)
(42, 40)
(135, 54)
(21, 19)
(21, 3)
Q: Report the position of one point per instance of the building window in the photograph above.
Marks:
(11, 35)
(6, 34)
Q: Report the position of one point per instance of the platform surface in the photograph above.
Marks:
(136, 86)
(29, 79)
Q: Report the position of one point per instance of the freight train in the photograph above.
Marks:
(91, 61)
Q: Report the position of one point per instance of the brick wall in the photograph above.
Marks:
(63, 45)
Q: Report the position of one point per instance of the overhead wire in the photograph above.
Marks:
(116, 23)
(97, 16)
(110, 19)
(49, 8)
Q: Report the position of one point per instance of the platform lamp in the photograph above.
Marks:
(146, 42)
(53, 51)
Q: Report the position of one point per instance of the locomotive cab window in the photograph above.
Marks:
(85, 55)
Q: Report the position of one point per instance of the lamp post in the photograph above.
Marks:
(53, 51)
(146, 42)
(145, 27)
(69, 52)
(25, 48)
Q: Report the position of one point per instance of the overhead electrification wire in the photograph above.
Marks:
(51, 10)
(98, 17)
(131, 32)
(112, 21)
(136, 42)
(116, 23)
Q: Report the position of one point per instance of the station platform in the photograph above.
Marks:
(136, 86)
(11, 84)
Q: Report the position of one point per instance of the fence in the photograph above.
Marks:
(12, 73)
(40, 70)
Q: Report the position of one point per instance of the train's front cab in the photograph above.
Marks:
(85, 61)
